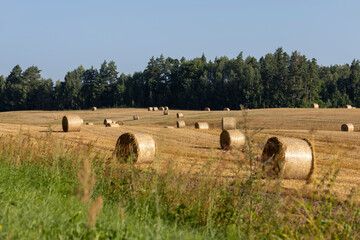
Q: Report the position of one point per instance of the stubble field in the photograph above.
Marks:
(189, 149)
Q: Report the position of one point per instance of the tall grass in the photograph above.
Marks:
(53, 189)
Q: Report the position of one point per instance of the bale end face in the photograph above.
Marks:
(315, 105)
(166, 111)
(150, 109)
(136, 117)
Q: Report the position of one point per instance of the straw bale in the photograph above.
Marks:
(348, 106)
(289, 158)
(228, 123)
(202, 125)
(226, 109)
(315, 105)
(231, 138)
(119, 122)
(112, 125)
(166, 111)
(347, 127)
(72, 123)
(166, 108)
(179, 115)
(88, 123)
(207, 109)
(155, 109)
(136, 117)
(94, 108)
(150, 109)
(161, 108)
(180, 124)
(107, 120)
(135, 147)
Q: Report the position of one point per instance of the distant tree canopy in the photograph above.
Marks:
(275, 80)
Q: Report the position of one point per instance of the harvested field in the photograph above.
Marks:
(190, 149)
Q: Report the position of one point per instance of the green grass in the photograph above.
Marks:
(50, 190)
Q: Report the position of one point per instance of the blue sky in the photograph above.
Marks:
(58, 36)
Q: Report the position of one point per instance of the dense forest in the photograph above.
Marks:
(275, 80)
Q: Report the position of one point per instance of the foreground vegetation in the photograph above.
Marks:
(276, 80)
(50, 189)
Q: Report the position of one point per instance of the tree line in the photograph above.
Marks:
(275, 80)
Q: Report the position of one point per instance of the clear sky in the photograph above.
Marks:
(59, 35)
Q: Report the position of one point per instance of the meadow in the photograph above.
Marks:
(70, 185)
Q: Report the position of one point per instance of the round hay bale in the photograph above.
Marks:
(150, 109)
(166, 111)
(180, 124)
(179, 115)
(136, 117)
(228, 123)
(202, 125)
(166, 108)
(155, 109)
(207, 109)
(231, 138)
(88, 123)
(290, 158)
(314, 105)
(135, 147)
(161, 108)
(226, 109)
(119, 122)
(347, 127)
(112, 125)
(107, 120)
(93, 108)
(348, 106)
(72, 123)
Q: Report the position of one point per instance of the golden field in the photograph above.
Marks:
(190, 149)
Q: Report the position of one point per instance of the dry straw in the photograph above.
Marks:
(166, 111)
(136, 117)
(315, 105)
(107, 120)
(119, 122)
(289, 158)
(228, 123)
(135, 147)
(348, 106)
(347, 127)
(232, 138)
(180, 124)
(226, 109)
(207, 109)
(88, 123)
(201, 125)
(155, 109)
(179, 115)
(94, 108)
(150, 109)
(112, 125)
(72, 123)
